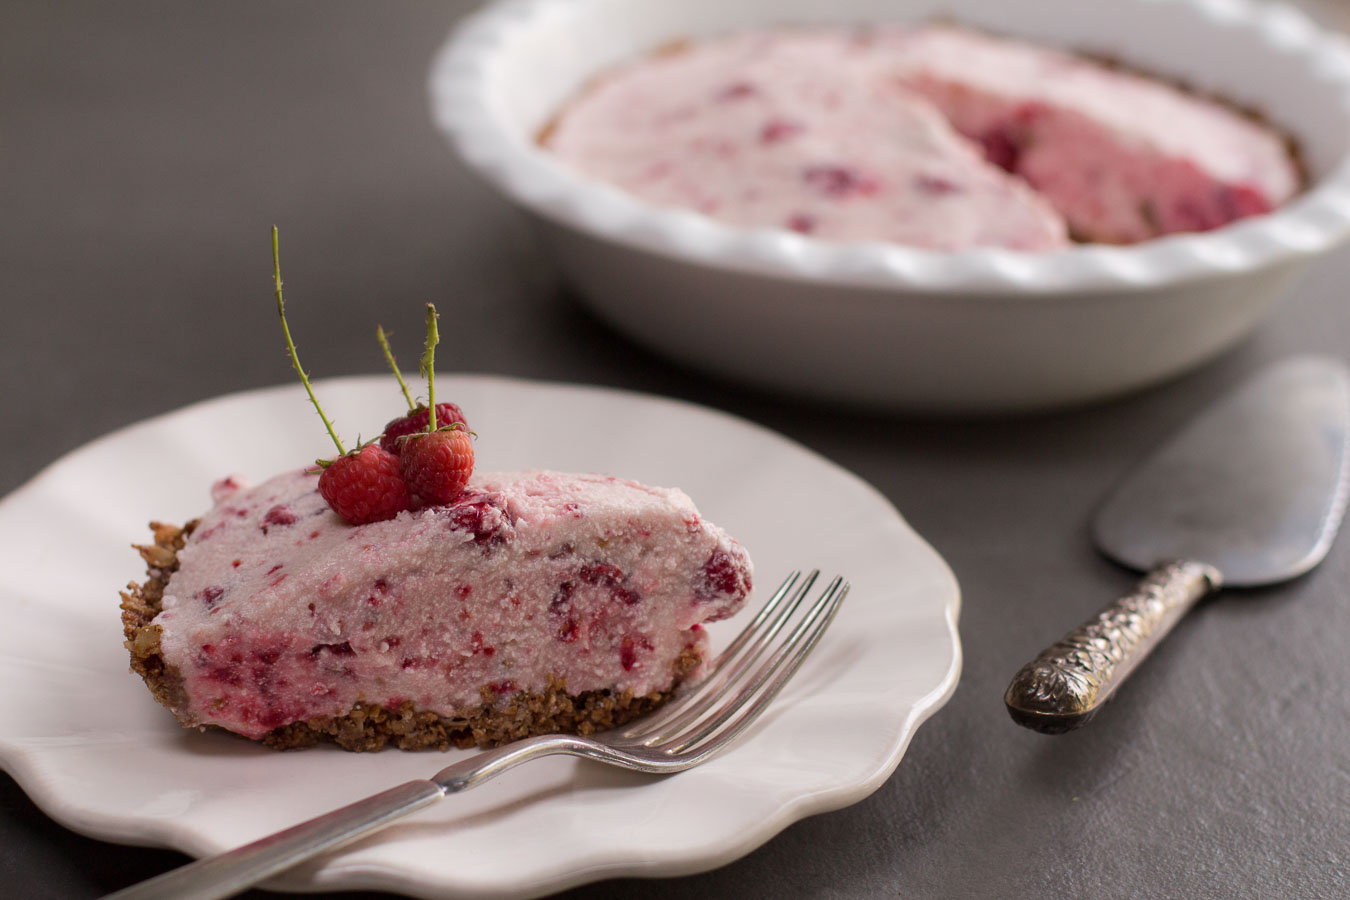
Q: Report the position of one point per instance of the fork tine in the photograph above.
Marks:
(742, 651)
(765, 681)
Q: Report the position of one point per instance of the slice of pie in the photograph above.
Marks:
(536, 602)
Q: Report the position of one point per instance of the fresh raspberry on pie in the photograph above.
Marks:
(447, 414)
(437, 465)
(365, 486)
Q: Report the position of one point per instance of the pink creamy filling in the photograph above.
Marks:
(281, 612)
(910, 135)
(795, 130)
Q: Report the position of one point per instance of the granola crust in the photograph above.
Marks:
(369, 727)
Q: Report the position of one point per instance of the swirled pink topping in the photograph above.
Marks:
(929, 136)
(796, 130)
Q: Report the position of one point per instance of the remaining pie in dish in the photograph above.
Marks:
(929, 136)
(535, 602)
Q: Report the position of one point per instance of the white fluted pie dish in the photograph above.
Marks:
(885, 325)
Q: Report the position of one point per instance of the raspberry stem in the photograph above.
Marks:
(389, 357)
(429, 365)
(290, 346)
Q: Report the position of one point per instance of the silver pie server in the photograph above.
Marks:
(1249, 494)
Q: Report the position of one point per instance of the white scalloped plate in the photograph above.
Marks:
(85, 740)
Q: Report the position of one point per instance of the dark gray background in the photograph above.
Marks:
(145, 148)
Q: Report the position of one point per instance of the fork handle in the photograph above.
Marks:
(1065, 686)
(228, 873)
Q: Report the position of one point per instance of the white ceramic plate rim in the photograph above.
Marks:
(49, 515)
(461, 82)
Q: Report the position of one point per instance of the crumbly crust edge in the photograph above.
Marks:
(370, 727)
(141, 603)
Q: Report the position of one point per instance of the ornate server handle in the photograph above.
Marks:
(1064, 687)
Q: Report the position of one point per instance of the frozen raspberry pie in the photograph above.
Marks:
(534, 602)
(930, 136)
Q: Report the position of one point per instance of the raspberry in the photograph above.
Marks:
(471, 514)
(446, 414)
(365, 486)
(1002, 148)
(721, 575)
(737, 91)
(840, 181)
(279, 515)
(776, 130)
(935, 185)
(437, 465)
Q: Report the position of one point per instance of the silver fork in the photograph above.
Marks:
(698, 723)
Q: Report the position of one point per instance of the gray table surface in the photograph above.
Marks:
(145, 148)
